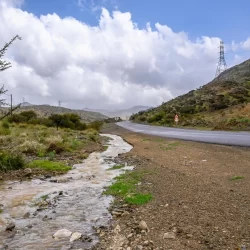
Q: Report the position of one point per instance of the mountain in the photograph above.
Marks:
(223, 103)
(123, 113)
(47, 110)
(26, 104)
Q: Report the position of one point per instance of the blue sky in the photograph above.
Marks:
(119, 64)
(229, 20)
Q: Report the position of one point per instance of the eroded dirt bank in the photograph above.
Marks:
(201, 196)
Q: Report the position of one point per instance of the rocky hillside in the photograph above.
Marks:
(223, 103)
(47, 110)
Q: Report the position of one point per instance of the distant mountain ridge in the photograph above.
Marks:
(47, 110)
(223, 103)
(123, 113)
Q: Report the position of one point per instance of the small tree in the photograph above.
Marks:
(5, 65)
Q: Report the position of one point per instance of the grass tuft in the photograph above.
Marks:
(125, 186)
(236, 178)
(49, 165)
(115, 167)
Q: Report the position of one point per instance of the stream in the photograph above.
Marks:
(73, 201)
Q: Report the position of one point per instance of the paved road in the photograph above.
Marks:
(218, 137)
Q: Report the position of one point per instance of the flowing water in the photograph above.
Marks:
(73, 201)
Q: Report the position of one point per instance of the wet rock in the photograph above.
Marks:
(75, 236)
(169, 235)
(87, 238)
(27, 172)
(143, 225)
(62, 233)
(10, 226)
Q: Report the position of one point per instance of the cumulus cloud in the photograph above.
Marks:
(112, 65)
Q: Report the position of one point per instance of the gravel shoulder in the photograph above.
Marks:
(200, 196)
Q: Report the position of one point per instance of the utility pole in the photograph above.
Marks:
(222, 66)
(59, 103)
(11, 105)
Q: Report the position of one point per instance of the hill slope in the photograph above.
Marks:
(47, 110)
(223, 103)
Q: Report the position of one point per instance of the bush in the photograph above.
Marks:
(54, 139)
(95, 125)
(55, 148)
(10, 162)
(5, 124)
(31, 147)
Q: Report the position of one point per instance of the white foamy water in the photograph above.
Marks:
(76, 204)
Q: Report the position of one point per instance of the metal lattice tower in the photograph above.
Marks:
(222, 62)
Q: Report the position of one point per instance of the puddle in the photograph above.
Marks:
(73, 201)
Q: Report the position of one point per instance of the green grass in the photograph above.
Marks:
(139, 199)
(9, 161)
(125, 186)
(146, 139)
(236, 178)
(44, 197)
(49, 165)
(117, 167)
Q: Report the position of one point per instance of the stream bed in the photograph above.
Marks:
(39, 208)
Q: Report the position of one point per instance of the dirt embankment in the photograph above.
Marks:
(200, 194)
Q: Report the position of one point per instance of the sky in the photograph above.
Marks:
(114, 54)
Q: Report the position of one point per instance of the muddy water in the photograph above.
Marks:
(74, 201)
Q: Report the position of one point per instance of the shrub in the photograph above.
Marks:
(55, 148)
(10, 162)
(95, 125)
(31, 147)
(5, 124)
(54, 139)
(4, 131)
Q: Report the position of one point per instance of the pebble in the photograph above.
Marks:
(75, 236)
(62, 233)
(143, 225)
(169, 235)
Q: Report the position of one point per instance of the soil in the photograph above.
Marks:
(195, 203)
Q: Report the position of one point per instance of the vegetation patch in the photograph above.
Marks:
(234, 178)
(49, 165)
(125, 186)
(10, 161)
(115, 167)
(170, 146)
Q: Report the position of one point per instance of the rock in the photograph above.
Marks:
(139, 247)
(10, 226)
(27, 172)
(117, 229)
(62, 233)
(75, 236)
(143, 225)
(130, 236)
(169, 235)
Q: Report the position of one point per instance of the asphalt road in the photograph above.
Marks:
(217, 137)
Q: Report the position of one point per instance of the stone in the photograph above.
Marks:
(10, 226)
(143, 225)
(169, 235)
(27, 172)
(130, 236)
(62, 233)
(75, 236)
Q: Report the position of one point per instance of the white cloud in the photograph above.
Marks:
(114, 64)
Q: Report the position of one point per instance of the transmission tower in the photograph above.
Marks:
(59, 103)
(222, 62)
